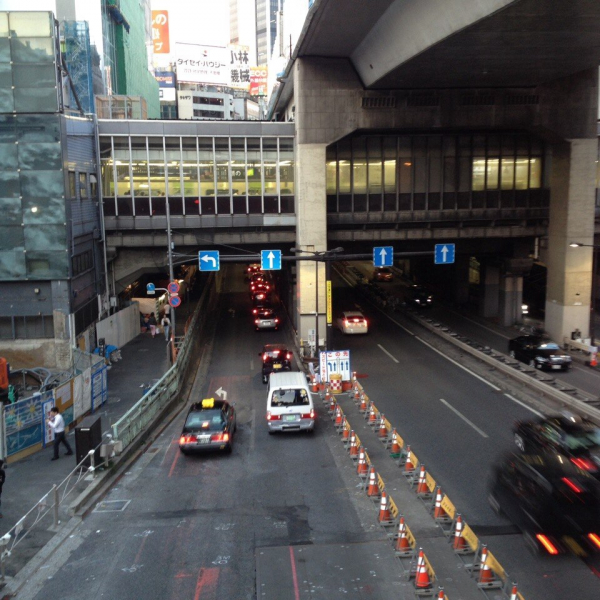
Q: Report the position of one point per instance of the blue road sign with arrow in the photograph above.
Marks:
(150, 288)
(444, 254)
(209, 260)
(383, 256)
(270, 260)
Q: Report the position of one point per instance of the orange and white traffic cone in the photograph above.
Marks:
(514, 593)
(384, 510)
(353, 449)
(422, 580)
(315, 385)
(459, 543)
(363, 403)
(345, 431)
(362, 468)
(395, 449)
(408, 465)
(372, 414)
(485, 573)
(356, 394)
(402, 543)
(422, 483)
(338, 416)
(327, 398)
(438, 511)
(383, 431)
(593, 359)
(354, 380)
(373, 488)
(441, 594)
(332, 405)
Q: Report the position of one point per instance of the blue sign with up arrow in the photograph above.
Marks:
(209, 260)
(383, 256)
(444, 254)
(270, 260)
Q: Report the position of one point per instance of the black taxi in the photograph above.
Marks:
(209, 425)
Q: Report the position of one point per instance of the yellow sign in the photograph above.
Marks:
(208, 403)
(329, 319)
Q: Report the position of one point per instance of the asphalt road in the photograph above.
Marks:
(190, 527)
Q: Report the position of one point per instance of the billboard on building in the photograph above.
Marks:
(185, 104)
(238, 67)
(166, 85)
(258, 81)
(202, 64)
(160, 31)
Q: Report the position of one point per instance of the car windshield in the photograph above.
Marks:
(548, 350)
(290, 398)
(265, 314)
(273, 354)
(210, 420)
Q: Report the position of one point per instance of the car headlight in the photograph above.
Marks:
(525, 309)
(541, 359)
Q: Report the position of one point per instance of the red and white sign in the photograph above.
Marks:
(258, 81)
(174, 301)
(335, 361)
(160, 31)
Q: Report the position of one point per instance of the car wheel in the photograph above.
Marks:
(532, 363)
(511, 353)
(229, 448)
(538, 365)
(264, 378)
(520, 442)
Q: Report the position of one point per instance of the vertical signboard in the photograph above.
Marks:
(238, 67)
(166, 85)
(160, 31)
(329, 311)
(258, 81)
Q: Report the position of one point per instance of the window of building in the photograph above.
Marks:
(82, 262)
(83, 186)
(72, 186)
(207, 100)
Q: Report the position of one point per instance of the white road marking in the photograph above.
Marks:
(506, 337)
(392, 357)
(459, 414)
(535, 412)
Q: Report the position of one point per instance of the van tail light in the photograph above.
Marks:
(255, 311)
(257, 321)
(187, 439)
(288, 355)
(546, 543)
(276, 320)
(219, 437)
(310, 415)
(585, 464)
(272, 417)
(595, 539)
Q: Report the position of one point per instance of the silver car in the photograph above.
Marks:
(266, 318)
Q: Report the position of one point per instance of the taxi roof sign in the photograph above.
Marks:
(208, 403)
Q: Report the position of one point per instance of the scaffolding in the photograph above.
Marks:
(75, 38)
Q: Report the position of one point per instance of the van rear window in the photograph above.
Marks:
(290, 398)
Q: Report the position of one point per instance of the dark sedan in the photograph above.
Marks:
(418, 297)
(553, 502)
(209, 425)
(539, 353)
(275, 358)
(572, 436)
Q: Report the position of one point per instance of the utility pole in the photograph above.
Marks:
(171, 278)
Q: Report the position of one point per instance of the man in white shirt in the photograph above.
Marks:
(58, 425)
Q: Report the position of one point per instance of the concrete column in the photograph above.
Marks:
(490, 287)
(510, 299)
(311, 235)
(461, 279)
(571, 220)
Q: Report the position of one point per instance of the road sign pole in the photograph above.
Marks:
(328, 287)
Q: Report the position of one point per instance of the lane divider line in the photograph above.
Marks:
(459, 414)
(535, 412)
(390, 355)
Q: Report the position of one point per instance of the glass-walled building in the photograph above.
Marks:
(198, 175)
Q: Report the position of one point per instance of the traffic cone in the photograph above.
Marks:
(356, 394)
(363, 403)
(438, 511)
(362, 468)
(441, 594)
(395, 449)
(402, 543)
(408, 466)
(372, 414)
(373, 488)
(485, 573)
(514, 594)
(332, 405)
(338, 416)
(422, 580)
(459, 543)
(353, 449)
(422, 483)
(354, 379)
(593, 360)
(383, 432)
(384, 511)
(345, 431)
(327, 398)
(315, 385)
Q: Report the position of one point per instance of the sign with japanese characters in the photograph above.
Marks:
(239, 67)
(166, 85)
(202, 64)
(160, 31)
(258, 81)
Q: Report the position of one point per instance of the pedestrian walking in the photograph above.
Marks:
(152, 324)
(2, 478)
(58, 425)
(166, 325)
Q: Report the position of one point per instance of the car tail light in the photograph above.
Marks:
(257, 321)
(219, 437)
(188, 439)
(585, 464)
(595, 539)
(288, 355)
(255, 311)
(546, 543)
(346, 323)
(265, 357)
(572, 485)
(276, 320)
(272, 417)
(309, 415)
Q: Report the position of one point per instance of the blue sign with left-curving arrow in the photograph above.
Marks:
(209, 260)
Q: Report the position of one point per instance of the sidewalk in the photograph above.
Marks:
(144, 360)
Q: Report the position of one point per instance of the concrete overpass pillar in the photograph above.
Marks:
(490, 288)
(572, 202)
(510, 299)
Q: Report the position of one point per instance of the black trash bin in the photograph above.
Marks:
(88, 435)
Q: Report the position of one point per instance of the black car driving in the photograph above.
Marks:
(209, 425)
(417, 296)
(275, 358)
(538, 352)
(574, 437)
(553, 502)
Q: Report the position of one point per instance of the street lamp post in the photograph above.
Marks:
(593, 298)
(320, 256)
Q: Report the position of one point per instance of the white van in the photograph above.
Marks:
(289, 403)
